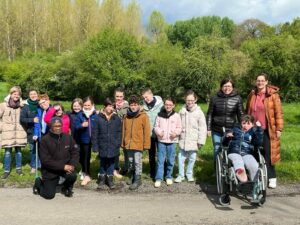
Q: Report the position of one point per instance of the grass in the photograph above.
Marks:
(287, 170)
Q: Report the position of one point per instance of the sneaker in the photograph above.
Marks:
(117, 174)
(157, 184)
(179, 179)
(272, 183)
(169, 181)
(5, 175)
(32, 171)
(19, 171)
(191, 179)
(86, 180)
(241, 175)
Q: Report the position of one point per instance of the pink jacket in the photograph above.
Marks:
(166, 126)
(65, 120)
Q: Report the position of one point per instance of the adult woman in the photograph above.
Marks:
(28, 119)
(264, 105)
(224, 110)
(12, 133)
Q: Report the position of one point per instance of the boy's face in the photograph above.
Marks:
(148, 97)
(134, 107)
(246, 125)
(44, 103)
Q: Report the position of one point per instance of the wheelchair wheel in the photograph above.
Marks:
(224, 199)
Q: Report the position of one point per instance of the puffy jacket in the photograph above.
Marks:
(65, 120)
(55, 152)
(107, 136)
(136, 132)
(243, 143)
(194, 129)
(26, 119)
(85, 133)
(12, 133)
(274, 115)
(167, 124)
(224, 111)
(152, 113)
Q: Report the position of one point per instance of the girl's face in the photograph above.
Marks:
(261, 82)
(33, 95)
(190, 101)
(15, 96)
(109, 109)
(76, 107)
(227, 88)
(169, 106)
(59, 111)
(87, 105)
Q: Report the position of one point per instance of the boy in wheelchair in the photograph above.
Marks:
(241, 145)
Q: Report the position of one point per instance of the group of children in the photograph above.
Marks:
(135, 127)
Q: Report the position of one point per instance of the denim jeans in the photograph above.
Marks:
(107, 166)
(7, 158)
(182, 155)
(135, 160)
(216, 139)
(32, 149)
(165, 151)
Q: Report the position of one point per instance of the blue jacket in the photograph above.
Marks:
(85, 133)
(26, 119)
(107, 137)
(243, 143)
(74, 133)
(38, 126)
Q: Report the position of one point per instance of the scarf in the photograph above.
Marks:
(32, 105)
(163, 113)
(88, 113)
(151, 104)
(13, 104)
(120, 104)
(131, 114)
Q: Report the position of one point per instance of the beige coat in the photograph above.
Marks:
(12, 133)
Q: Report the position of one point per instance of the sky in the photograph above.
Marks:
(271, 12)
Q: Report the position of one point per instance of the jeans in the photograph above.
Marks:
(107, 166)
(182, 155)
(7, 158)
(216, 139)
(135, 159)
(32, 149)
(166, 152)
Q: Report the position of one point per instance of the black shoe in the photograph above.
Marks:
(67, 192)
(131, 178)
(37, 185)
(101, 181)
(19, 171)
(123, 172)
(5, 175)
(110, 182)
(137, 182)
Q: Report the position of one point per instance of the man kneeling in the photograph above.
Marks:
(59, 155)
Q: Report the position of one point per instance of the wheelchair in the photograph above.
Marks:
(228, 183)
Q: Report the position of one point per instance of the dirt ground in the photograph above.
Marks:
(178, 204)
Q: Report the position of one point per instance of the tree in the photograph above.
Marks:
(157, 27)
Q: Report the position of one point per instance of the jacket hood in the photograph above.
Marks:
(270, 90)
(222, 95)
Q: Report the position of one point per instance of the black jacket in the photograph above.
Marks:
(55, 152)
(107, 136)
(26, 119)
(224, 111)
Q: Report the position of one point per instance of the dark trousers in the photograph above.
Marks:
(48, 186)
(85, 158)
(266, 152)
(107, 166)
(152, 153)
(117, 163)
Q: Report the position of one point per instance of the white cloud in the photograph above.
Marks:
(269, 11)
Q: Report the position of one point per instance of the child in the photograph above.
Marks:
(76, 108)
(135, 139)
(85, 122)
(241, 146)
(107, 139)
(167, 128)
(192, 137)
(58, 110)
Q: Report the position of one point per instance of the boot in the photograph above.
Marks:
(110, 182)
(131, 178)
(101, 181)
(136, 183)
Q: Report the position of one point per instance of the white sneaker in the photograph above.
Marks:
(169, 181)
(82, 175)
(179, 179)
(272, 183)
(157, 183)
(191, 179)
